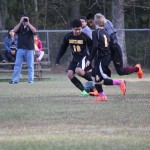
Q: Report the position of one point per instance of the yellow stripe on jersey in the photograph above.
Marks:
(75, 41)
(105, 40)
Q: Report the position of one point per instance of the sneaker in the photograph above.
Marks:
(139, 72)
(3, 61)
(30, 82)
(12, 82)
(84, 93)
(101, 98)
(123, 87)
(94, 93)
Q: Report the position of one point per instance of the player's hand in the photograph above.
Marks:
(21, 20)
(13, 52)
(24, 19)
(87, 63)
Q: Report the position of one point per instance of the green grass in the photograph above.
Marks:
(50, 115)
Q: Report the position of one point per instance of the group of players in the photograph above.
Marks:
(101, 44)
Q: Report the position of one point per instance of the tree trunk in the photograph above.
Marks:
(24, 8)
(3, 13)
(104, 8)
(75, 9)
(36, 13)
(45, 17)
(1, 26)
(118, 22)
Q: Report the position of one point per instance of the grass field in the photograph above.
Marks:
(50, 115)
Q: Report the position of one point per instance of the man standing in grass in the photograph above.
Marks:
(25, 31)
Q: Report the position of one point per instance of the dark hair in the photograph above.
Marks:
(76, 23)
(25, 15)
(90, 16)
(84, 18)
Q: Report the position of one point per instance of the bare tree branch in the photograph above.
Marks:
(95, 3)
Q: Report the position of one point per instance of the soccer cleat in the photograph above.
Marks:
(101, 98)
(94, 93)
(123, 86)
(139, 72)
(84, 93)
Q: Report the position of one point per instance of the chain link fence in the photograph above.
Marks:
(137, 45)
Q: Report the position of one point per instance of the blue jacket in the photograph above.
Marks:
(8, 43)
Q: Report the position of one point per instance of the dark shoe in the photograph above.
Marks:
(3, 61)
(12, 82)
(30, 82)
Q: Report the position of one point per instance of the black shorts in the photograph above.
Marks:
(102, 70)
(81, 64)
(72, 66)
(116, 55)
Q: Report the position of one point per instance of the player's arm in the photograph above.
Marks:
(89, 44)
(94, 48)
(111, 31)
(16, 28)
(95, 45)
(62, 50)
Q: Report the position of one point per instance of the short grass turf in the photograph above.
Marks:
(50, 115)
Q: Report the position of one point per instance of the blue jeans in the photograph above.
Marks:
(28, 55)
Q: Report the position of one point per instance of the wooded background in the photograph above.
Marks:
(58, 14)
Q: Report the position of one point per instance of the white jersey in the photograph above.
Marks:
(87, 31)
(109, 27)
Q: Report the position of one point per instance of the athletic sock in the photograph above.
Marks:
(99, 88)
(77, 83)
(116, 82)
(108, 82)
(129, 70)
(87, 76)
(101, 94)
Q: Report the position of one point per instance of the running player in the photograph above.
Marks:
(78, 41)
(102, 55)
(116, 53)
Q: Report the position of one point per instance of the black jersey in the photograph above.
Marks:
(78, 46)
(100, 44)
(25, 38)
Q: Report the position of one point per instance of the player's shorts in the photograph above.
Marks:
(82, 65)
(102, 70)
(72, 66)
(116, 55)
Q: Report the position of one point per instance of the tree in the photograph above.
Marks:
(118, 22)
(57, 14)
(75, 9)
(3, 10)
(24, 8)
(36, 12)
